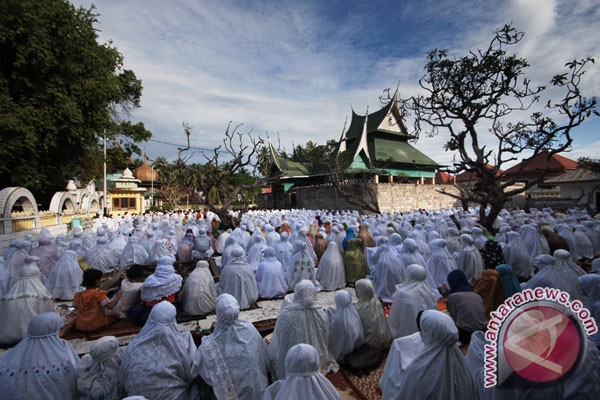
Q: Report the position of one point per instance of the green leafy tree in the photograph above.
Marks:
(59, 90)
(479, 98)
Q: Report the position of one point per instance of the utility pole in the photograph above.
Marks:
(105, 194)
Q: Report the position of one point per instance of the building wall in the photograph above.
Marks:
(391, 196)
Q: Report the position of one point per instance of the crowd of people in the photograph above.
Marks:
(425, 284)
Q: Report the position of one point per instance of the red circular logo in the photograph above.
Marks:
(541, 344)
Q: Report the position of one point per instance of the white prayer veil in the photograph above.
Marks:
(98, 371)
(158, 360)
(303, 381)
(199, 291)
(26, 298)
(331, 273)
(440, 370)
(224, 356)
(42, 365)
(163, 282)
(301, 321)
(345, 327)
(375, 324)
(412, 296)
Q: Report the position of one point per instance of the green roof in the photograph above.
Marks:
(399, 151)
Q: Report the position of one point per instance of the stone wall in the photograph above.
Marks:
(407, 197)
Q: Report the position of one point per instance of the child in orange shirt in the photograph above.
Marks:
(92, 303)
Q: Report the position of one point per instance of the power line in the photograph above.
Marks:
(184, 146)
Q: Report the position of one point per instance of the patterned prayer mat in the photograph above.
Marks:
(351, 386)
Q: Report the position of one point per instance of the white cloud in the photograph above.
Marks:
(298, 68)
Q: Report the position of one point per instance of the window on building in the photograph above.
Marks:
(124, 203)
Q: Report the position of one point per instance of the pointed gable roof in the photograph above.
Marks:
(287, 168)
(381, 136)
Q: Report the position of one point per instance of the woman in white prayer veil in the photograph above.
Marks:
(47, 254)
(566, 232)
(283, 249)
(345, 328)
(42, 365)
(157, 361)
(335, 237)
(564, 260)
(199, 292)
(422, 245)
(238, 280)
(534, 241)
(475, 363)
(230, 244)
(331, 273)
(556, 275)
(468, 259)
(304, 380)
(255, 251)
(517, 256)
(17, 260)
(302, 321)
(101, 256)
(453, 240)
(590, 285)
(301, 266)
(440, 370)
(26, 298)
(401, 354)
(66, 276)
(412, 296)
(375, 325)
(440, 263)
(220, 243)
(584, 244)
(159, 250)
(98, 371)
(133, 253)
(224, 358)
(389, 272)
(270, 277)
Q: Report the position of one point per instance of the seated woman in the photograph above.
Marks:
(301, 321)
(65, 278)
(412, 296)
(238, 280)
(92, 303)
(163, 284)
(489, 286)
(355, 264)
(225, 355)
(372, 317)
(26, 298)
(42, 365)
(440, 370)
(465, 306)
(157, 363)
(331, 273)
(270, 276)
(199, 292)
(98, 371)
(304, 380)
(345, 329)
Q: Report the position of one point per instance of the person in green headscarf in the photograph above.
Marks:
(354, 261)
(509, 280)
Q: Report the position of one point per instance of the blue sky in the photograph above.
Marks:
(295, 69)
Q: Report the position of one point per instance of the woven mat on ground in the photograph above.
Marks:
(358, 387)
(122, 327)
